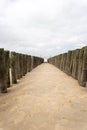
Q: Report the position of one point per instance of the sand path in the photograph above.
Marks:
(45, 99)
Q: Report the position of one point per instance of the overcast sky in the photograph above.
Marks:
(43, 27)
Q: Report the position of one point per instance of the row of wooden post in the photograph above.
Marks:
(13, 66)
(73, 63)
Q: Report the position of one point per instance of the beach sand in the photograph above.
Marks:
(45, 99)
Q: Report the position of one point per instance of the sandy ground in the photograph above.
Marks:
(45, 99)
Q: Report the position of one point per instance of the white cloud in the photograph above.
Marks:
(43, 28)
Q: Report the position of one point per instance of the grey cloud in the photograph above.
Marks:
(43, 28)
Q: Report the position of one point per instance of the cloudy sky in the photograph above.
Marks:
(43, 27)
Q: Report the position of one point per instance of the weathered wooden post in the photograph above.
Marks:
(3, 86)
(64, 61)
(24, 65)
(21, 65)
(75, 62)
(18, 65)
(68, 63)
(82, 68)
(14, 67)
(29, 63)
(32, 62)
(7, 67)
